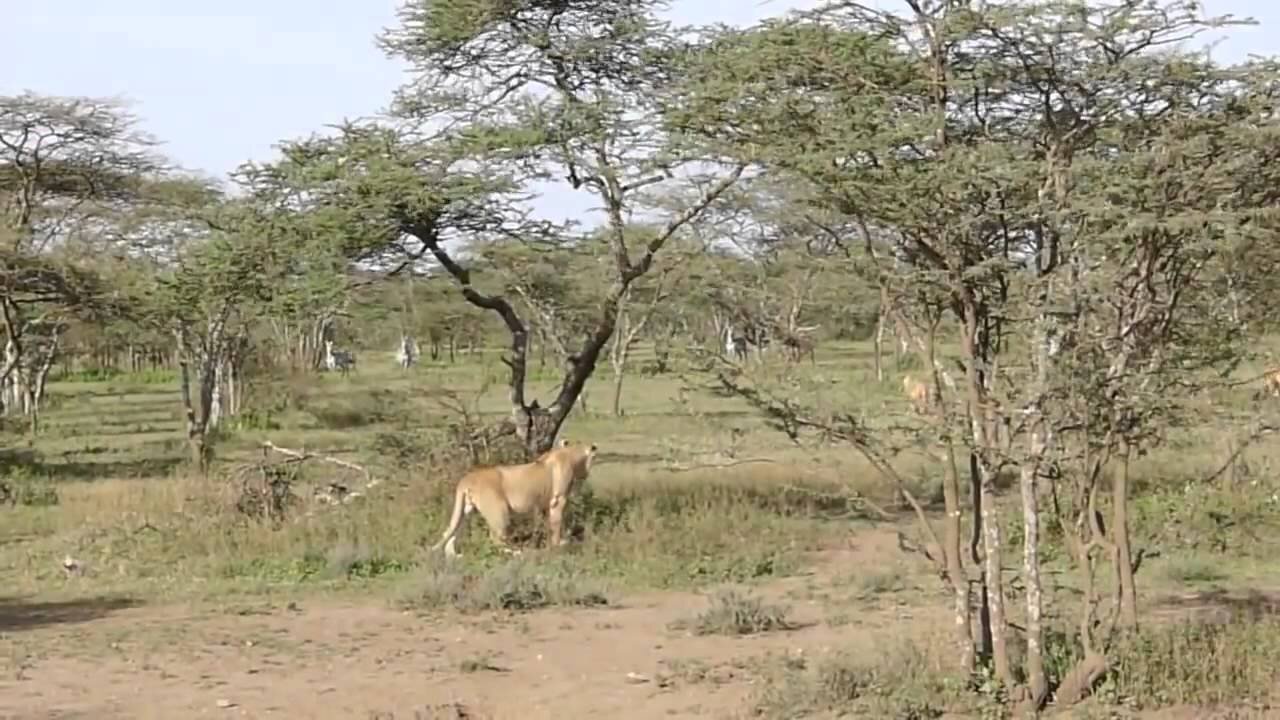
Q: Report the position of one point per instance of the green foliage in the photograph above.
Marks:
(22, 486)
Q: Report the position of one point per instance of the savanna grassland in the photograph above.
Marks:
(929, 351)
(720, 570)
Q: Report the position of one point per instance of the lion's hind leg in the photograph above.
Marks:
(497, 515)
(463, 507)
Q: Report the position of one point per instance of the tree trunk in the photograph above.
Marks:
(35, 388)
(953, 562)
(1079, 532)
(215, 390)
(1120, 536)
(618, 377)
(991, 535)
(194, 431)
(881, 316)
(955, 568)
(197, 420)
(618, 358)
(993, 581)
(1037, 685)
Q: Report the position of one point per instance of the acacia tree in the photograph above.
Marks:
(209, 299)
(559, 87)
(997, 162)
(68, 165)
(526, 90)
(41, 297)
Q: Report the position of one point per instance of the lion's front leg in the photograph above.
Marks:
(555, 516)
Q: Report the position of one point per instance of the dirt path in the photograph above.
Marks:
(328, 660)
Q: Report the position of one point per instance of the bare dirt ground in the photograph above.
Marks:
(325, 659)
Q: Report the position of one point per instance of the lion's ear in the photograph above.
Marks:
(593, 447)
(564, 442)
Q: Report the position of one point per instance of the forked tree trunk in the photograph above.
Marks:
(991, 535)
(625, 334)
(35, 388)
(194, 429)
(1080, 532)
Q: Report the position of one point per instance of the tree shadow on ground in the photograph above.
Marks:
(18, 614)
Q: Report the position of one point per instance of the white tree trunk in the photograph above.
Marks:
(219, 369)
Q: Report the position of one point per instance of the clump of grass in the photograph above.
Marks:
(903, 682)
(669, 535)
(29, 492)
(349, 559)
(480, 663)
(513, 585)
(734, 613)
(1193, 571)
(879, 582)
(1196, 663)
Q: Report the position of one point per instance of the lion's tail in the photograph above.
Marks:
(459, 507)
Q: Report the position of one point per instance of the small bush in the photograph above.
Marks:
(732, 613)
(29, 493)
(403, 448)
(24, 486)
(514, 585)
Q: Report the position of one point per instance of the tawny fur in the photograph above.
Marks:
(500, 491)
(1271, 382)
(917, 392)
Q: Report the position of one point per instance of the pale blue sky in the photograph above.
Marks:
(223, 85)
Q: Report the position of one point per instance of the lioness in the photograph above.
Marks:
(500, 490)
(917, 392)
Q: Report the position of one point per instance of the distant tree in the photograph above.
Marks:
(68, 167)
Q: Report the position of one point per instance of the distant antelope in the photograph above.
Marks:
(342, 360)
(1270, 383)
(917, 392)
(797, 346)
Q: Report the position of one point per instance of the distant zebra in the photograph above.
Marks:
(342, 360)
